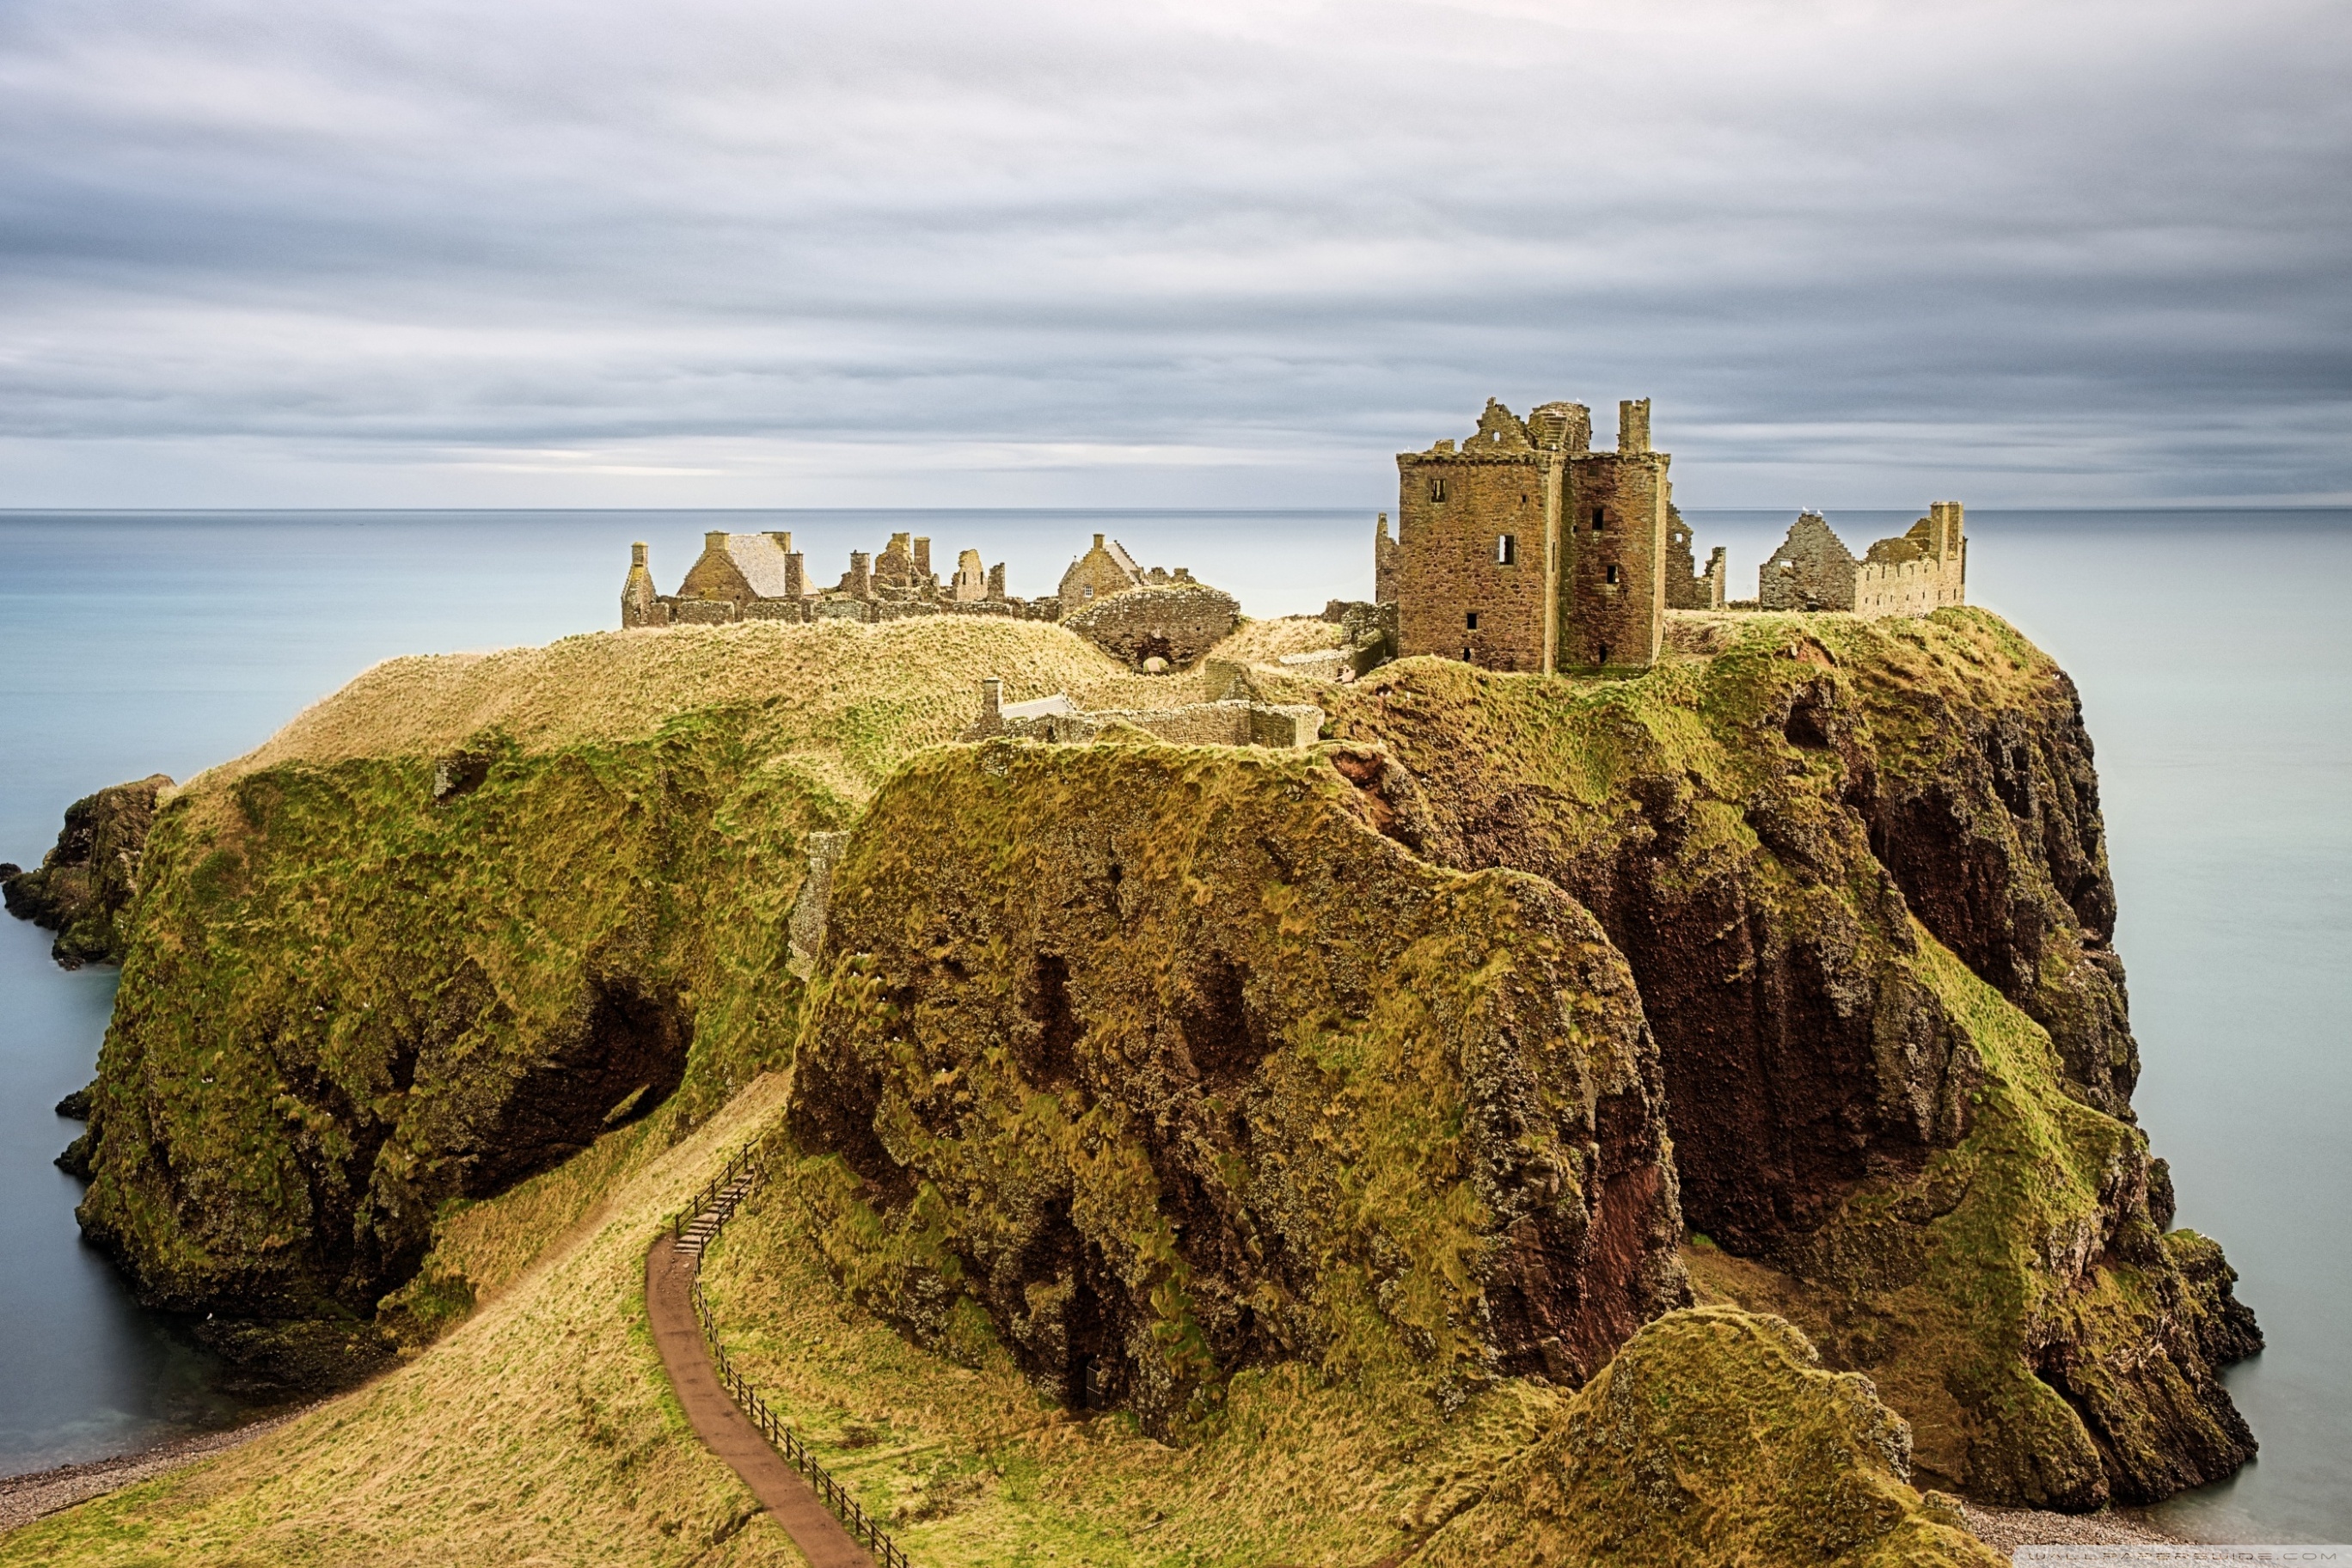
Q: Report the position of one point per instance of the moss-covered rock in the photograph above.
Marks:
(1714, 1438)
(83, 887)
(1166, 1062)
(1858, 873)
(457, 921)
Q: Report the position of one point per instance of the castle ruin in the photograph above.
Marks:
(1524, 549)
(1914, 573)
(1135, 615)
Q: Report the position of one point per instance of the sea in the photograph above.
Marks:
(2212, 649)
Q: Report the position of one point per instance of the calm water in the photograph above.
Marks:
(2216, 668)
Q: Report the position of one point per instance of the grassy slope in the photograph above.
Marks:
(541, 1430)
(978, 1469)
(316, 928)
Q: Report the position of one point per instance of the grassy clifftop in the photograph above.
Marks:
(1200, 1062)
(857, 696)
(459, 919)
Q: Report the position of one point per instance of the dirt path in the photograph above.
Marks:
(669, 1275)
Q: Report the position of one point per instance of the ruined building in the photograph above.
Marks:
(1106, 570)
(761, 577)
(1914, 573)
(1134, 615)
(1688, 588)
(1525, 548)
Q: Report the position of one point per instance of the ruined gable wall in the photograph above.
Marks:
(1613, 515)
(714, 576)
(1093, 576)
(1812, 570)
(1446, 562)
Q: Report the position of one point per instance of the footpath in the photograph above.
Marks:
(722, 1424)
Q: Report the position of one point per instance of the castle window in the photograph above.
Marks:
(1470, 621)
(1600, 517)
(1506, 549)
(1604, 654)
(1466, 655)
(1085, 593)
(1437, 490)
(1612, 574)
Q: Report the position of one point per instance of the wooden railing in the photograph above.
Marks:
(718, 1198)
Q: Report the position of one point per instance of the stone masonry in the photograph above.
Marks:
(1914, 573)
(1688, 588)
(761, 577)
(1526, 550)
(1178, 623)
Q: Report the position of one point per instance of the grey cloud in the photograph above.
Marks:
(2077, 252)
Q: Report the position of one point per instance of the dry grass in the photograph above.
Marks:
(916, 679)
(975, 1469)
(1265, 642)
(541, 1431)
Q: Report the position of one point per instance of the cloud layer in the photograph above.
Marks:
(716, 252)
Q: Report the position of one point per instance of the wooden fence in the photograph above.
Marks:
(698, 1225)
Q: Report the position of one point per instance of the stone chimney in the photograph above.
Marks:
(1633, 424)
(637, 597)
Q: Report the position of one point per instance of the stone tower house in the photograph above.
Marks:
(1526, 550)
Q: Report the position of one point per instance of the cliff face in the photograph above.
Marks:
(1397, 1057)
(1165, 1062)
(360, 991)
(455, 921)
(1857, 871)
(82, 888)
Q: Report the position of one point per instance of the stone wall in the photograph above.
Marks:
(1525, 550)
(1687, 587)
(806, 924)
(1180, 625)
(1470, 579)
(1812, 570)
(1285, 726)
(1613, 527)
(1914, 573)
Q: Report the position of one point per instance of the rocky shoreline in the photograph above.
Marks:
(39, 1493)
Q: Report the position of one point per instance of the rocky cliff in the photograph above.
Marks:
(1145, 1063)
(1173, 1064)
(82, 888)
(461, 918)
(1857, 870)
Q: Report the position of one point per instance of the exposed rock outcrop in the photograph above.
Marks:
(1857, 868)
(1180, 1065)
(82, 888)
(1715, 1438)
(455, 921)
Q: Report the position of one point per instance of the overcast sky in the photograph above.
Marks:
(262, 252)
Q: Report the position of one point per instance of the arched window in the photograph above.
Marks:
(1506, 549)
